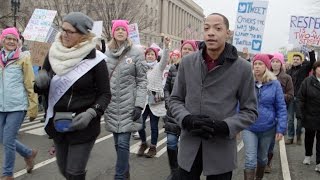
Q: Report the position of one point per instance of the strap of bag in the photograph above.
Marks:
(120, 59)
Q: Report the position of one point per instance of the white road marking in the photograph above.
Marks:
(284, 160)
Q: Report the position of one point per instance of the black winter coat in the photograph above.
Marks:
(90, 90)
(309, 103)
(171, 125)
(299, 73)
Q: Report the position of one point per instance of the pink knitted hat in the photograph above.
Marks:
(155, 50)
(278, 56)
(13, 31)
(120, 23)
(193, 43)
(175, 52)
(265, 58)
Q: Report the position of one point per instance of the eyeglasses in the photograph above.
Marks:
(11, 39)
(68, 32)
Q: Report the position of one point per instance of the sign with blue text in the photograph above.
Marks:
(250, 24)
(304, 30)
(39, 25)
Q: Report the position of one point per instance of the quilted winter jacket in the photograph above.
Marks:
(272, 110)
(128, 86)
(16, 86)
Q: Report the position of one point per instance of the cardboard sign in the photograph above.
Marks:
(304, 30)
(134, 33)
(39, 25)
(39, 51)
(250, 24)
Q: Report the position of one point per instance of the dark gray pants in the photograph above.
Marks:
(73, 159)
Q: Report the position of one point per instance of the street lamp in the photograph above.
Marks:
(15, 6)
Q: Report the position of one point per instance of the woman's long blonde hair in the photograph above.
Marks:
(114, 45)
(267, 76)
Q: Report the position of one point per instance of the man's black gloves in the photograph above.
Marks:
(190, 122)
(136, 113)
(204, 126)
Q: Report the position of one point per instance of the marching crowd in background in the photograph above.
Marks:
(210, 95)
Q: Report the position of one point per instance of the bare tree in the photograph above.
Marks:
(133, 11)
(5, 14)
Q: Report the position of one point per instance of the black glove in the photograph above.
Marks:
(136, 113)
(190, 122)
(217, 128)
(43, 79)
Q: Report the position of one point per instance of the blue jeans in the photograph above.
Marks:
(122, 145)
(256, 145)
(172, 141)
(10, 123)
(154, 120)
(292, 106)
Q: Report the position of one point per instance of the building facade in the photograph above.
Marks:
(178, 19)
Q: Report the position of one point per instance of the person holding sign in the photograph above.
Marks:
(299, 71)
(207, 91)
(16, 98)
(74, 76)
(128, 80)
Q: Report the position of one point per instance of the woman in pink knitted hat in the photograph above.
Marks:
(171, 127)
(271, 122)
(128, 83)
(277, 67)
(16, 98)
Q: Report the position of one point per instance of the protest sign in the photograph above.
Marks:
(134, 33)
(39, 51)
(51, 35)
(39, 25)
(250, 24)
(97, 28)
(304, 30)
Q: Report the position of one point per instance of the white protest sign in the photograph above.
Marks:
(39, 25)
(304, 30)
(134, 33)
(51, 35)
(250, 24)
(97, 28)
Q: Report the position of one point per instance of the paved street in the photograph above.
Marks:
(102, 162)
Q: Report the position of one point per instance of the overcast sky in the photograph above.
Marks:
(277, 20)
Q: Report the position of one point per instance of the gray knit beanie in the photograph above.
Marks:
(80, 21)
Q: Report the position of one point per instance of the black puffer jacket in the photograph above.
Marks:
(171, 125)
(299, 73)
(91, 89)
(309, 103)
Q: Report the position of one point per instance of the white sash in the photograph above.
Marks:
(60, 84)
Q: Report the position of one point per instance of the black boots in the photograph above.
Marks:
(249, 174)
(173, 162)
(260, 172)
(76, 177)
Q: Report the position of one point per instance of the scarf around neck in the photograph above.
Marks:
(7, 56)
(151, 64)
(63, 60)
(122, 49)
